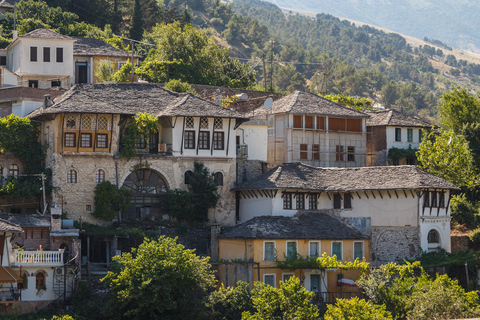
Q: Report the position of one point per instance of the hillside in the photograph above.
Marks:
(451, 21)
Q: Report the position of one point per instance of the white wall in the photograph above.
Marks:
(255, 207)
(255, 136)
(9, 79)
(404, 143)
(21, 109)
(31, 293)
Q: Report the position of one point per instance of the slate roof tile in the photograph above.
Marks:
(43, 33)
(97, 47)
(392, 117)
(7, 226)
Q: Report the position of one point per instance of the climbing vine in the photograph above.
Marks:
(322, 263)
(395, 155)
(137, 130)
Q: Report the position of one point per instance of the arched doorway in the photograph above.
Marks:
(147, 187)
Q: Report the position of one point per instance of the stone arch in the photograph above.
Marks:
(391, 246)
(147, 187)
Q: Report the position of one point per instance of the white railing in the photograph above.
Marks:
(36, 258)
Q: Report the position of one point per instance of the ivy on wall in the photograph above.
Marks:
(395, 155)
(137, 129)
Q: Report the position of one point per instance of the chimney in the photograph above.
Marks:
(47, 100)
(15, 35)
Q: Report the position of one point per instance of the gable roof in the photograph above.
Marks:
(390, 117)
(131, 99)
(43, 33)
(97, 47)
(306, 225)
(299, 176)
(7, 226)
(301, 102)
(27, 220)
(8, 3)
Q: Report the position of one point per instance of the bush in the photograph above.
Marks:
(463, 211)
(356, 309)
(179, 86)
(475, 238)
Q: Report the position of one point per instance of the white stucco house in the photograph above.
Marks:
(404, 209)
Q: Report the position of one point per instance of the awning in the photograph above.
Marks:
(7, 275)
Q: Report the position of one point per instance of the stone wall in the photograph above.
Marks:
(459, 242)
(390, 244)
(377, 146)
(250, 169)
(5, 109)
(24, 307)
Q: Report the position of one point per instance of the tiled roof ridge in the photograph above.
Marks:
(6, 225)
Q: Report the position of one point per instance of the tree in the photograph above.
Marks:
(179, 86)
(289, 302)
(228, 303)
(459, 107)
(388, 94)
(109, 200)
(104, 71)
(203, 191)
(136, 32)
(448, 156)
(159, 280)
(356, 309)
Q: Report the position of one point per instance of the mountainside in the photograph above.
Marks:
(455, 22)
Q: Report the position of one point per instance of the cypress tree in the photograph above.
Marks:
(136, 32)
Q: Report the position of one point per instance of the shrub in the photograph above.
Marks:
(475, 238)
(356, 309)
(179, 86)
(463, 211)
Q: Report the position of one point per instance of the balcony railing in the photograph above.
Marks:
(242, 150)
(36, 258)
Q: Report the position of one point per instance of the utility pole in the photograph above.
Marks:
(131, 43)
(264, 72)
(44, 195)
(271, 69)
(324, 84)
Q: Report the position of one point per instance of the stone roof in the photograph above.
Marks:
(132, 98)
(7, 226)
(299, 176)
(8, 3)
(301, 102)
(97, 47)
(390, 117)
(43, 33)
(27, 220)
(27, 93)
(305, 225)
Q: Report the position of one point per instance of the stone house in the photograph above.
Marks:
(404, 209)
(305, 127)
(262, 240)
(392, 129)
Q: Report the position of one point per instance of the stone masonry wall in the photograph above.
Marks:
(390, 244)
(250, 169)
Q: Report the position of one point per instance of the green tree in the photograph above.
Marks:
(463, 211)
(459, 107)
(203, 191)
(289, 302)
(136, 32)
(448, 156)
(104, 71)
(109, 201)
(228, 303)
(356, 309)
(179, 86)
(388, 94)
(159, 280)
(122, 74)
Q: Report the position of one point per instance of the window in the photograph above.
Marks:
(297, 122)
(358, 250)
(300, 201)
(33, 54)
(314, 249)
(433, 236)
(218, 123)
(204, 140)
(351, 153)
(46, 54)
(86, 140)
(312, 201)
(141, 142)
(398, 134)
(218, 140)
(189, 142)
(121, 64)
(70, 139)
(71, 123)
(189, 122)
(203, 123)
(102, 140)
(86, 122)
(320, 123)
(3, 61)
(287, 201)
(40, 281)
(59, 54)
(72, 176)
(337, 250)
(347, 201)
(409, 135)
(56, 83)
(88, 208)
(269, 251)
(337, 201)
(99, 176)
(218, 178)
(187, 176)
(286, 276)
(309, 122)
(441, 199)
(33, 83)
(434, 199)
(102, 123)
(303, 152)
(291, 251)
(269, 279)
(339, 153)
(13, 171)
(426, 199)
(316, 151)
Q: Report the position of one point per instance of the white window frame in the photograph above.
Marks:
(341, 249)
(363, 249)
(291, 274)
(274, 278)
(286, 246)
(319, 248)
(274, 248)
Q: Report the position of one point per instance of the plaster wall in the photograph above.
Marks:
(9, 79)
(255, 137)
(22, 108)
(403, 144)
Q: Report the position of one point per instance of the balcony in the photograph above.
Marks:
(242, 151)
(36, 258)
